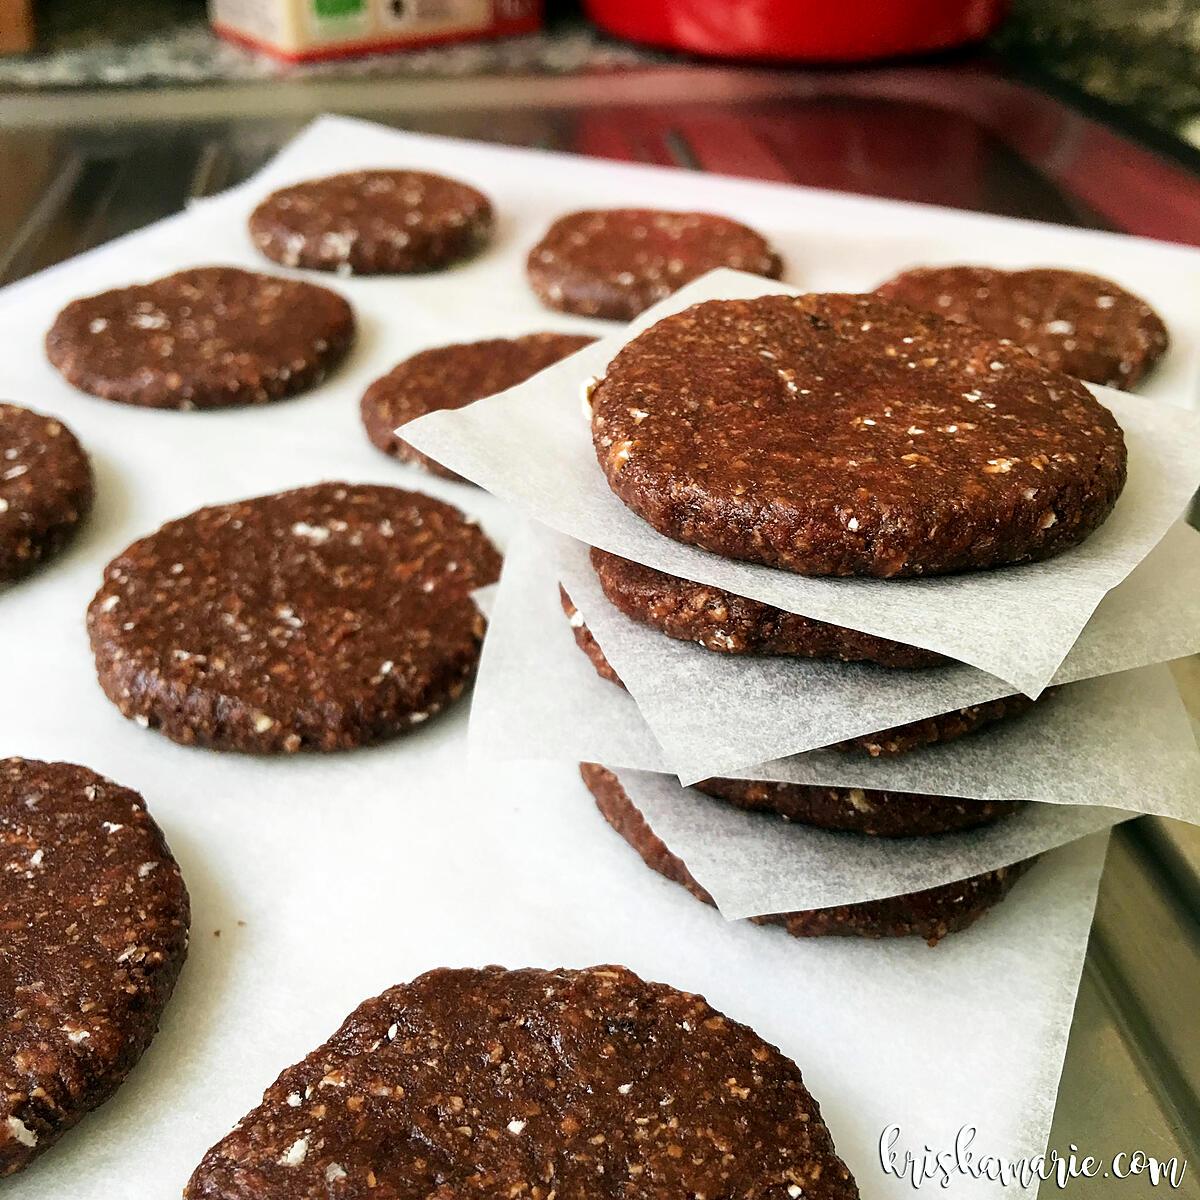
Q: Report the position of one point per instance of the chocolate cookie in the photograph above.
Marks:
(618, 262)
(450, 377)
(848, 435)
(210, 337)
(94, 916)
(1074, 322)
(585, 641)
(324, 618)
(373, 223)
(929, 914)
(855, 810)
(730, 624)
(45, 488)
(534, 1084)
(944, 727)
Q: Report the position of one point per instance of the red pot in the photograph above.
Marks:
(801, 30)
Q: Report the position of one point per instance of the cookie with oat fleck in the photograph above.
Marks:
(849, 435)
(532, 1083)
(931, 914)
(586, 640)
(859, 810)
(449, 377)
(729, 624)
(373, 223)
(323, 618)
(209, 337)
(616, 263)
(944, 727)
(94, 915)
(1078, 323)
(45, 489)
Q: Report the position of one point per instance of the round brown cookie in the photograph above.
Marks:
(618, 262)
(373, 223)
(324, 618)
(855, 810)
(930, 914)
(1082, 324)
(944, 727)
(94, 916)
(450, 377)
(585, 641)
(532, 1083)
(210, 337)
(45, 488)
(731, 624)
(848, 435)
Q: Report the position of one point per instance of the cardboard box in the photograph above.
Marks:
(309, 30)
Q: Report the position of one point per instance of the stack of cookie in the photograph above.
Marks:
(925, 477)
(840, 436)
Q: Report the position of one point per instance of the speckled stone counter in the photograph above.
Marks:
(85, 44)
(1141, 55)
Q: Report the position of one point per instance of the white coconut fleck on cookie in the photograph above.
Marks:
(619, 454)
(314, 533)
(149, 320)
(858, 800)
(295, 1154)
(20, 1132)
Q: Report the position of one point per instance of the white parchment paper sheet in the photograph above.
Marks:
(532, 447)
(754, 864)
(329, 879)
(772, 707)
(517, 867)
(1122, 741)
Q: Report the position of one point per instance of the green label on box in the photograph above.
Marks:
(338, 8)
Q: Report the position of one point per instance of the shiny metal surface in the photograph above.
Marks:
(79, 169)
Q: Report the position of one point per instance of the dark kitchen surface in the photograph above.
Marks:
(84, 166)
(83, 43)
(1140, 56)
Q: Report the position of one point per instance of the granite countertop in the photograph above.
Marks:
(1139, 55)
(85, 43)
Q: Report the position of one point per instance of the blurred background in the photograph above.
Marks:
(1137, 57)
